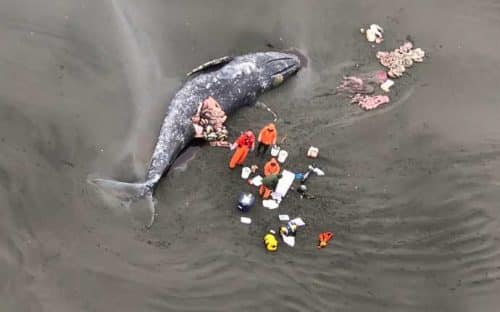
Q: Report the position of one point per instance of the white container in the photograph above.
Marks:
(245, 172)
(387, 85)
(298, 222)
(284, 217)
(313, 152)
(275, 150)
(245, 220)
(282, 155)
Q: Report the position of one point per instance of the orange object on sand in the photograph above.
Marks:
(324, 238)
(239, 156)
(271, 167)
(264, 192)
(268, 135)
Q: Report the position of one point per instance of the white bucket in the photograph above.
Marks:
(245, 172)
(257, 181)
(275, 150)
(282, 155)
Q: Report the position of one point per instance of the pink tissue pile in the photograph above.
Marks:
(361, 87)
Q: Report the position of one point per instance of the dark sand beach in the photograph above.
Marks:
(411, 189)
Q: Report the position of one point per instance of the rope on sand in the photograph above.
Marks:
(264, 106)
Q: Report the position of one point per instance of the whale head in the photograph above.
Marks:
(276, 67)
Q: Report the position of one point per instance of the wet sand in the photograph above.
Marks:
(411, 190)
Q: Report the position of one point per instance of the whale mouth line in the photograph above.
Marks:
(279, 59)
(287, 70)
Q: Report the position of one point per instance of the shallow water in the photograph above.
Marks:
(411, 190)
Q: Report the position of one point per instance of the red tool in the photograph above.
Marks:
(324, 238)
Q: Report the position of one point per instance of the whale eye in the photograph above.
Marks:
(277, 79)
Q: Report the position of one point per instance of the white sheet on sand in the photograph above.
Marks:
(289, 240)
(285, 182)
(270, 204)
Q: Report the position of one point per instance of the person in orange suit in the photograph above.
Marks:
(243, 144)
(267, 137)
(271, 167)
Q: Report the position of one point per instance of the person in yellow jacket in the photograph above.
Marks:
(267, 137)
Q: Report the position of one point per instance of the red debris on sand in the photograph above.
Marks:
(358, 87)
(369, 102)
(362, 83)
(208, 123)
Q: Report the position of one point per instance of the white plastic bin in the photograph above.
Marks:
(275, 149)
(282, 155)
(245, 172)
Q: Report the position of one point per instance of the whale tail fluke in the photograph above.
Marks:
(128, 193)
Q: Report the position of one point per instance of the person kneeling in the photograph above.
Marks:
(268, 185)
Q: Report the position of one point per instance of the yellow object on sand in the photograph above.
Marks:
(271, 242)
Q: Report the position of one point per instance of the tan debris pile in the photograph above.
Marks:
(208, 123)
(401, 58)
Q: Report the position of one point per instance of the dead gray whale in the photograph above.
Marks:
(234, 82)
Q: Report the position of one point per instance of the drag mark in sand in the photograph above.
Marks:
(352, 117)
(144, 74)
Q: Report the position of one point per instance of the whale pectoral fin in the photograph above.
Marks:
(211, 64)
(185, 157)
(151, 203)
